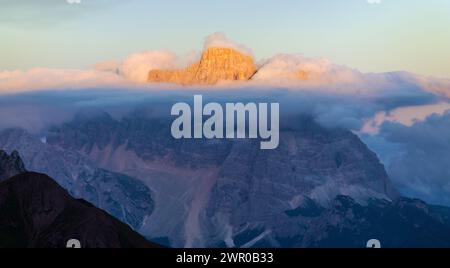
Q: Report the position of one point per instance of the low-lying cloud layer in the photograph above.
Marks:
(399, 97)
(45, 79)
(403, 117)
(292, 71)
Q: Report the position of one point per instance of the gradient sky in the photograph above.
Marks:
(410, 35)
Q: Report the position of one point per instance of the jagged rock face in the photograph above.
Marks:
(254, 187)
(320, 188)
(124, 197)
(220, 188)
(37, 213)
(10, 165)
(215, 65)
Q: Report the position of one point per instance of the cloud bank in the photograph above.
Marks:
(403, 117)
(288, 66)
(292, 71)
(45, 79)
(400, 144)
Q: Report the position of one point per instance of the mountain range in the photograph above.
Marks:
(322, 187)
(126, 198)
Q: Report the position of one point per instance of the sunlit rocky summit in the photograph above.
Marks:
(216, 64)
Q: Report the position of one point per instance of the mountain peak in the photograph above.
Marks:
(216, 64)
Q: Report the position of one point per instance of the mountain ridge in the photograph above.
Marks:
(124, 197)
(36, 212)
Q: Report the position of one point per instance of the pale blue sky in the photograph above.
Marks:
(411, 35)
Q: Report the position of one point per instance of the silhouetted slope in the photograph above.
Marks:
(124, 197)
(36, 212)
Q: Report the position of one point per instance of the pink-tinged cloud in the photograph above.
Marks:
(406, 116)
(137, 66)
(292, 70)
(43, 78)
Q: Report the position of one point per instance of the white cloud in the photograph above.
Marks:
(137, 66)
(374, 2)
(74, 2)
(296, 70)
(221, 40)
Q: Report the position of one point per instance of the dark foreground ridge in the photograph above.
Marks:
(35, 212)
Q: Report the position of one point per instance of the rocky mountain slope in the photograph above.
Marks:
(322, 187)
(124, 197)
(35, 212)
(220, 188)
(215, 65)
